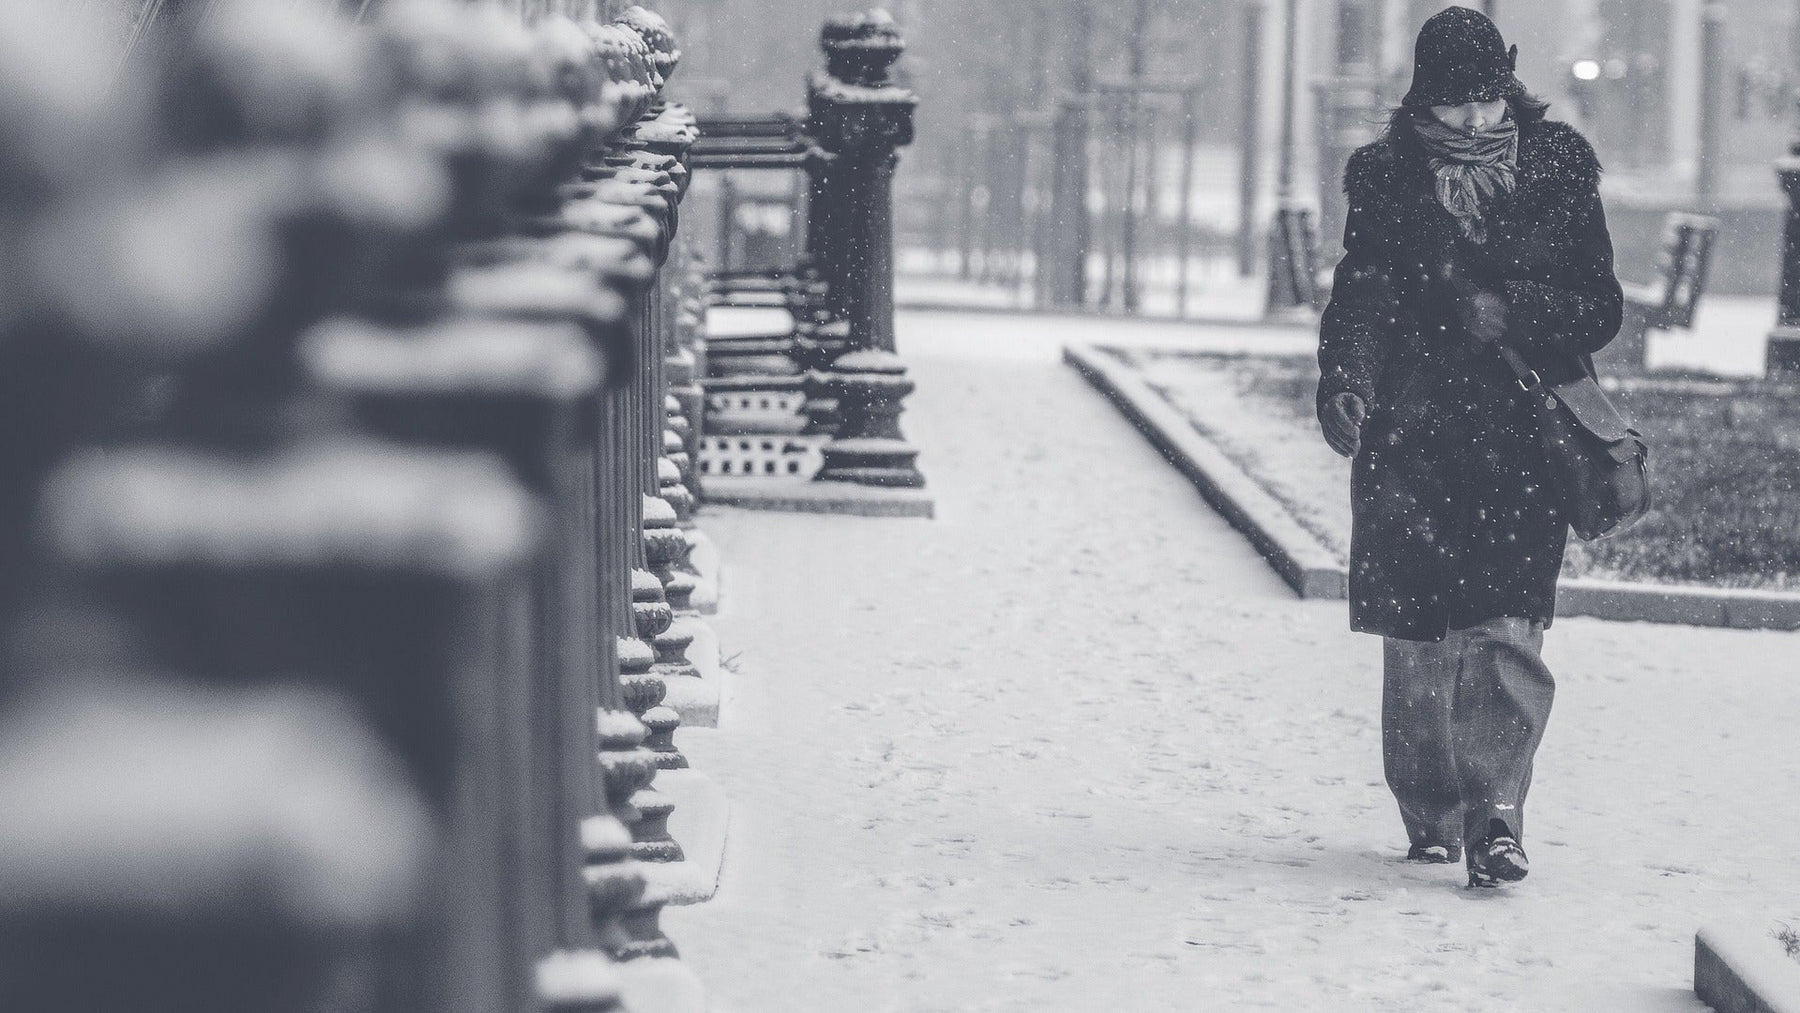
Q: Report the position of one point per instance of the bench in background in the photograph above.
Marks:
(1671, 300)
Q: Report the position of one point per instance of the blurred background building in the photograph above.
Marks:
(1167, 118)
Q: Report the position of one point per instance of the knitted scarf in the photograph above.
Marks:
(1471, 168)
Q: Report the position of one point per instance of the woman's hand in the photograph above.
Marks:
(1341, 418)
(1483, 315)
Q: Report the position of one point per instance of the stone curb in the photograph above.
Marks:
(816, 497)
(1738, 971)
(1688, 606)
(1306, 566)
(1293, 550)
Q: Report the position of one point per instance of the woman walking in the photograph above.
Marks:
(1474, 223)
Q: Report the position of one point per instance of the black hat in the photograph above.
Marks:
(1460, 58)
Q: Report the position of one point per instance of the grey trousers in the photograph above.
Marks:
(1460, 723)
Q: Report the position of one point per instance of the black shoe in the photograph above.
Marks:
(1434, 854)
(1499, 859)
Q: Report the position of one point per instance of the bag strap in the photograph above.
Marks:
(1528, 377)
(1584, 401)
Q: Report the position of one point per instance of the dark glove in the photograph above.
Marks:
(1341, 418)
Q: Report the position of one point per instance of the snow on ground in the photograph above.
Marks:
(1255, 428)
(1073, 746)
(1729, 337)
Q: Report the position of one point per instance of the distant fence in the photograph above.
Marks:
(1160, 218)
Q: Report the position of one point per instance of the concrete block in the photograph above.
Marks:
(802, 496)
(1638, 603)
(700, 823)
(705, 559)
(1691, 606)
(661, 986)
(1763, 612)
(697, 700)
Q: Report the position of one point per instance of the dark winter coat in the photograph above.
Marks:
(1453, 522)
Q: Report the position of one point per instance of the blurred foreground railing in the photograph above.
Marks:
(347, 385)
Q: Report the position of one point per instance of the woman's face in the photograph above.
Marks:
(1471, 117)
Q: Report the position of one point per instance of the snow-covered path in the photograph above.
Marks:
(1072, 746)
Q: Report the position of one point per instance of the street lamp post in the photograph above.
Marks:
(1133, 131)
(1249, 157)
(1067, 272)
(1712, 86)
(1348, 111)
(1290, 56)
(1290, 241)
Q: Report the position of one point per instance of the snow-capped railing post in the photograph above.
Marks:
(647, 171)
(858, 119)
(630, 192)
(668, 132)
(348, 608)
(378, 502)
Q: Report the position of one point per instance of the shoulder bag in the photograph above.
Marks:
(1601, 465)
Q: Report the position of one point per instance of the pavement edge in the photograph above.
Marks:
(1738, 971)
(1654, 603)
(1293, 552)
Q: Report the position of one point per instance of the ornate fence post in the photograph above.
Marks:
(859, 120)
(298, 614)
